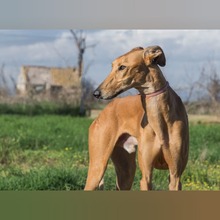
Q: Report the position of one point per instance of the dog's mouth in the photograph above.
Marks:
(112, 96)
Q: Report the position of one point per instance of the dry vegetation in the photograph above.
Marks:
(204, 119)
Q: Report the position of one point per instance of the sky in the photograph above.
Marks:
(186, 51)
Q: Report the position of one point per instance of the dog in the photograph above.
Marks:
(155, 120)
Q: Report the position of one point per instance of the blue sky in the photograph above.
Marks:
(187, 51)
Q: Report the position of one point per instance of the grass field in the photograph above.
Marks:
(49, 152)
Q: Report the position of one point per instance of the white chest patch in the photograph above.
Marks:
(129, 144)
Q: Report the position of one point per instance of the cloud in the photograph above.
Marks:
(179, 42)
(37, 51)
(186, 50)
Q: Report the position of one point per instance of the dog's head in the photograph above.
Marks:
(130, 70)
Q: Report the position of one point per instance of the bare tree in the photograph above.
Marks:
(188, 88)
(3, 82)
(79, 38)
(80, 42)
(202, 94)
(13, 80)
(209, 81)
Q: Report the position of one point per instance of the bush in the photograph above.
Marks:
(39, 108)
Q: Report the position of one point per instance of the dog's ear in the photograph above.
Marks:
(154, 55)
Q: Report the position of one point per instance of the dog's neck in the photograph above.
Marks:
(153, 98)
(155, 81)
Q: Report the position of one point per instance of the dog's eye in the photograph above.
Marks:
(121, 67)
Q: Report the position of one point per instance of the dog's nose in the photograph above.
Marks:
(97, 93)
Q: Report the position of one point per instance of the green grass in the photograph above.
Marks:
(44, 132)
(50, 153)
(205, 142)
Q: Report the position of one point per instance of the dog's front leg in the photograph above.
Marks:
(145, 161)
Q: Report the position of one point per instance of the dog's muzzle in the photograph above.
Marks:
(97, 93)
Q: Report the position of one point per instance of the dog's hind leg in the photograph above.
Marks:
(100, 150)
(125, 167)
(98, 161)
(101, 184)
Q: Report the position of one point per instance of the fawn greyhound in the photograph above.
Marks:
(155, 120)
